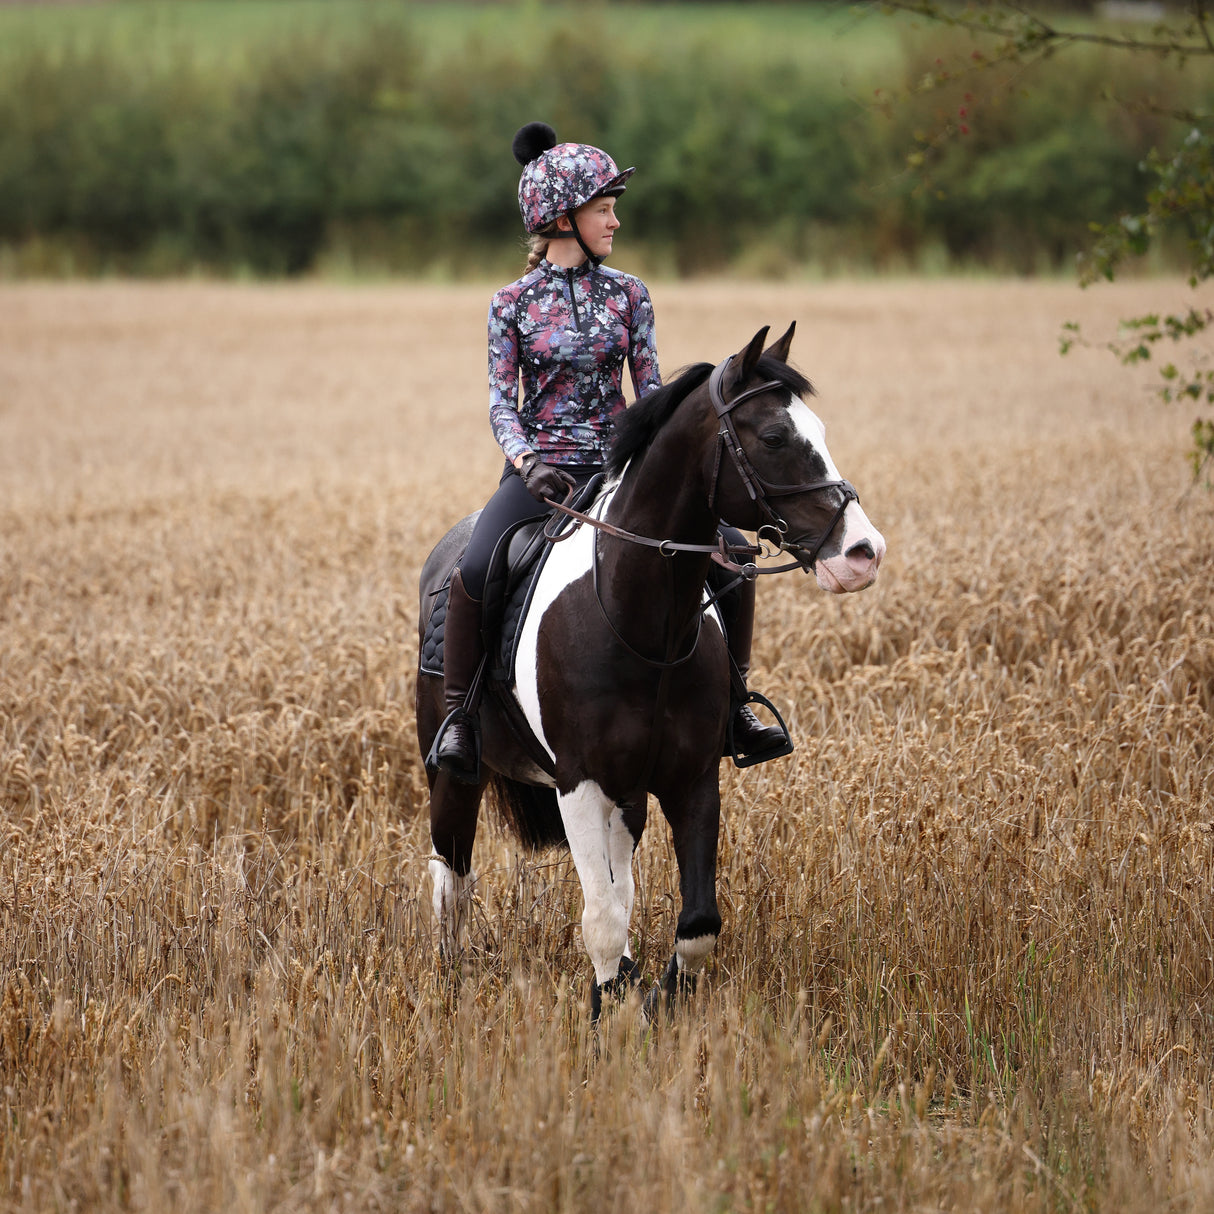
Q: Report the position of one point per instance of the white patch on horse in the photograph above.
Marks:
(451, 898)
(602, 847)
(567, 562)
(813, 430)
(841, 573)
(692, 952)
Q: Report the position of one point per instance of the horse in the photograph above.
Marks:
(622, 676)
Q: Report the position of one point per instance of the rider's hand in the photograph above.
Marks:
(543, 481)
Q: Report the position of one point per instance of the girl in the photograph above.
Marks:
(566, 328)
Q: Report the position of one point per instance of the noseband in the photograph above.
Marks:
(761, 491)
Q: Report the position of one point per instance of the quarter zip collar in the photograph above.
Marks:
(571, 275)
(582, 267)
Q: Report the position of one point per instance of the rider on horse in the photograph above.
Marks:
(566, 327)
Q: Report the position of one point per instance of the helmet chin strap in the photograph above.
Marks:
(559, 235)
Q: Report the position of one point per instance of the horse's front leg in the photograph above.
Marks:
(602, 838)
(694, 814)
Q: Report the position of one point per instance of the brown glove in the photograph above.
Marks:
(543, 481)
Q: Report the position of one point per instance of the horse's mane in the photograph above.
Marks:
(638, 426)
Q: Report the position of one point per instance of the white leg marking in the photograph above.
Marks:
(451, 897)
(602, 848)
(621, 846)
(692, 953)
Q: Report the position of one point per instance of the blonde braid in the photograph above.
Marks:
(537, 245)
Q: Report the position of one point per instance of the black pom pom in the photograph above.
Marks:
(532, 140)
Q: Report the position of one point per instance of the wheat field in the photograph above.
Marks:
(967, 960)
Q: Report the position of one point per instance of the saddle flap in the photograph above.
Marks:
(514, 567)
(513, 572)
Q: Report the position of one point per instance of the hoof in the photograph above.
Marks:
(676, 986)
(626, 977)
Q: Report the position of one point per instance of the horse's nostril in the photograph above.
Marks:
(863, 551)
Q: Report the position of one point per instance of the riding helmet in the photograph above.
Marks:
(560, 177)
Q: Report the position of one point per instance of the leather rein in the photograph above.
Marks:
(761, 492)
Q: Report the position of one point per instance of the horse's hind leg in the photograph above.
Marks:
(453, 813)
(602, 837)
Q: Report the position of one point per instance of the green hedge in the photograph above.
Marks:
(371, 151)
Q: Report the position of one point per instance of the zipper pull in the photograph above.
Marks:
(577, 320)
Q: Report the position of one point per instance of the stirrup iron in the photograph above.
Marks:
(777, 751)
(434, 763)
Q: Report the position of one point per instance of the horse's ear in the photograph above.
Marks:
(752, 353)
(779, 349)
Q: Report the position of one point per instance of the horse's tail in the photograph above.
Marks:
(532, 812)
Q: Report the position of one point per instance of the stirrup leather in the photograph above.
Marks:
(468, 711)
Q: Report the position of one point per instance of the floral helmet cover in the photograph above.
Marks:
(559, 177)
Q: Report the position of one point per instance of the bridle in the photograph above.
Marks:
(761, 492)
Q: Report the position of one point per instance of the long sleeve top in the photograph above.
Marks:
(565, 334)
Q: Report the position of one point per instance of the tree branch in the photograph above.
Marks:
(1043, 32)
(1203, 23)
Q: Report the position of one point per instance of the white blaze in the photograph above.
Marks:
(813, 430)
(840, 574)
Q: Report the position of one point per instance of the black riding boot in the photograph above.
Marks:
(748, 741)
(457, 750)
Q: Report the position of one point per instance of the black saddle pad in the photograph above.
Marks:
(514, 569)
(431, 660)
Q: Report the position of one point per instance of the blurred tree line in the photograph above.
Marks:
(370, 154)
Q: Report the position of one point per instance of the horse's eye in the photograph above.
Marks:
(772, 439)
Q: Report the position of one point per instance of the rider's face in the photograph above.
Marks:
(597, 223)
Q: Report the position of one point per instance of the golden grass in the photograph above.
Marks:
(967, 955)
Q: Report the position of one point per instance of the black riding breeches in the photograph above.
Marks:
(511, 504)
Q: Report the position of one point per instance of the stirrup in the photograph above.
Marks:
(434, 763)
(776, 751)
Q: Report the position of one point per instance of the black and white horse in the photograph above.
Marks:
(621, 674)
